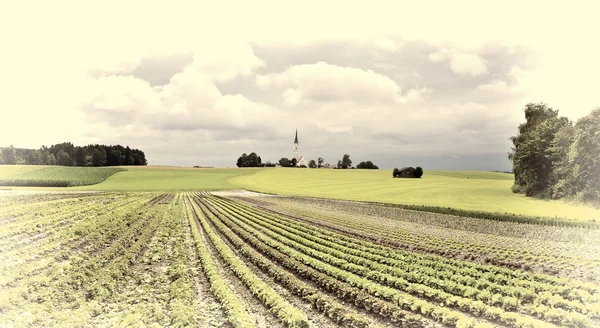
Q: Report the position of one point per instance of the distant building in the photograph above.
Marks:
(299, 160)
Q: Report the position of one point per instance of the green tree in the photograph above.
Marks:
(531, 153)
(34, 157)
(284, 162)
(418, 172)
(98, 156)
(585, 157)
(9, 155)
(345, 162)
(367, 165)
(80, 157)
(293, 162)
(63, 158)
(320, 162)
(312, 164)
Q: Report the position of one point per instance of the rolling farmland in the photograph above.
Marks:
(53, 176)
(242, 259)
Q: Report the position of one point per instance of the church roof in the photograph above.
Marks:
(296, 140)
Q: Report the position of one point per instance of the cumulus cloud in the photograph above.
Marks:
(201, 85)
(463, 63)
(322, 82)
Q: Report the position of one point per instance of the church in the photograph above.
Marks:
(299, 160)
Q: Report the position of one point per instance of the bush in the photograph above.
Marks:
(418, 172)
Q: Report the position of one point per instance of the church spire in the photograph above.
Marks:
(296, 140)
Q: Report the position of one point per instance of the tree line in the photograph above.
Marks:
(554, 157)
(254, 160)
(66, 154)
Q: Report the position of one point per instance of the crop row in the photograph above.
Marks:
(90, 234)
(496, 274)
(499, 250)
(77, 278)
(402, 300)
(336, 311)
(376, 272)
(420, 283)
(236, 313)
(287, 313)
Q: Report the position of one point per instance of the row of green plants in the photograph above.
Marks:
(341, 290)
(427, 287)
(404, 301)
(233, 307)
(537, 254)
(287, 313)
(334, 310)
(493, 273)
(42, 292)
(476, 275)
(67, 242)
(32, 247)
(437, 277)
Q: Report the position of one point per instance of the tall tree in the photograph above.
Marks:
(63, 158)
(585, 157)
(9, 155)
(320, 162)
(345, 162)
(284, 162)
(531, 155)
(98, 156)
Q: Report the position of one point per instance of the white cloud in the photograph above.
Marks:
(72, 70)
(322, 82)
(460, 62)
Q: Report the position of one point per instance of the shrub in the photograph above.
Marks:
(418, 172)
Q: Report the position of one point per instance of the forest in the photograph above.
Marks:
(66, 154)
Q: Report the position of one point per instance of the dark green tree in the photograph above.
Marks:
(345, 162)
(320, 162)
(312, 164)
(285, 162)
(98, 156)
(367, 165)
(63, 158)
(531, 153)
(585, 158)
(9, 155)
(418, 172)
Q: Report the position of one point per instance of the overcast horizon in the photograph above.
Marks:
(442, 86)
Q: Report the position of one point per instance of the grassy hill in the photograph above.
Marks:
(53, 176)
(171, 178)
(465, 190)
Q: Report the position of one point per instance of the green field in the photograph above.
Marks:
(53, 176)
(467, 190)
(171, 178)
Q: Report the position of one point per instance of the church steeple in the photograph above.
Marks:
(296, 145)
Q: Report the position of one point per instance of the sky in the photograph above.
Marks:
(440, 84)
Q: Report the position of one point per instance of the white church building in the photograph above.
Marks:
(299, 160)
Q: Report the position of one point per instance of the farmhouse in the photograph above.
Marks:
(405, 172)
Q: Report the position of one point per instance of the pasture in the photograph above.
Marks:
(462, 190)
(53, 176)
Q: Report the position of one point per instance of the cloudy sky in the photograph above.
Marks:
(440, 84)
